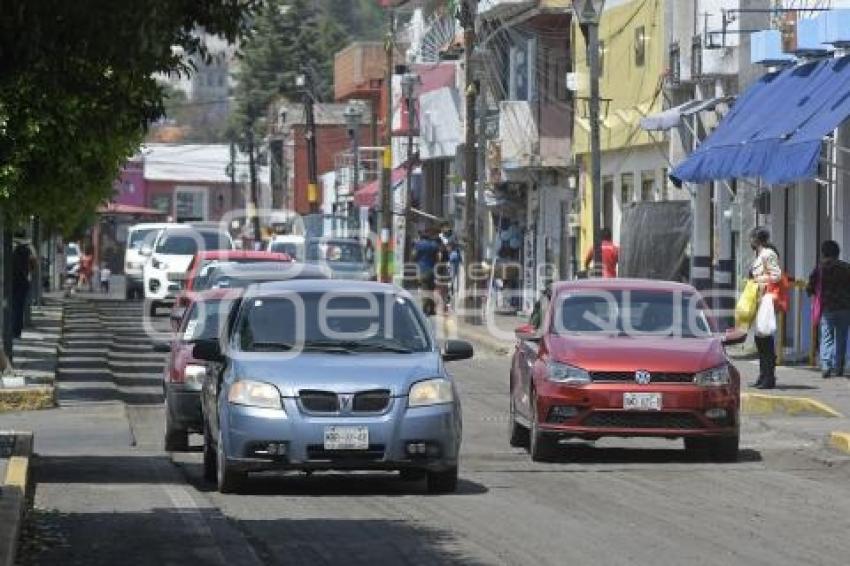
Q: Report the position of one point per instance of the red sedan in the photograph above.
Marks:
(626, 358)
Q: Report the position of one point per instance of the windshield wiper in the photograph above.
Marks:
(270, 346)
(352, 346)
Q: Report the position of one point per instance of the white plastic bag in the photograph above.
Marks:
(766, 317)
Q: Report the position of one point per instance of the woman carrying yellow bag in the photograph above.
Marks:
(748, 304)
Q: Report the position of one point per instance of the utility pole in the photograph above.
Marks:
(467, 20)
(312, 167)
(408, 82)
(386, 171)
(255, 213)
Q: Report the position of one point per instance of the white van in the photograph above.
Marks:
(138, 236)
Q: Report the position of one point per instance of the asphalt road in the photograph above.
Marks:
(107, 494)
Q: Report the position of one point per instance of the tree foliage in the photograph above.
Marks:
(289, 38)
(77, 92)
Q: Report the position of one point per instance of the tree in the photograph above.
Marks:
(289, 38)
(77, 92)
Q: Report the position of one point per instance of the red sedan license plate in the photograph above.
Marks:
(642, 401)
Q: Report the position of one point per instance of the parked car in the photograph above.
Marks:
(288, 244)
(348, 258)
(139, 236)
(72, 261)
(170, 256)
(200, 320)
(300, 381)
(627, 358)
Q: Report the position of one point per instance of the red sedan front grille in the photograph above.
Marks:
(626, 376)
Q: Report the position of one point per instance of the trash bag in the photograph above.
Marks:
(766, 317)
(748, 302)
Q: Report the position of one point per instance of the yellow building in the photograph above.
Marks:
(634, 164)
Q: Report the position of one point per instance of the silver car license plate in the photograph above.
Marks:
(642, 401)
(346, 438)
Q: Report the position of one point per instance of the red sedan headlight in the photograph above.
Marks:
(566, 374)
(714, 377)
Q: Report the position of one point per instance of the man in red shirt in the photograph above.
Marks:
(610, 254)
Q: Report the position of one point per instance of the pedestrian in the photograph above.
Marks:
(23, 264)
(610, 254)
(766, 272)
(86, 268)
(426, 255)
(454, 267)
(105, 274)
(829, 282)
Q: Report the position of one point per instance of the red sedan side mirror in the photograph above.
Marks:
(734, 336)
(527, 332)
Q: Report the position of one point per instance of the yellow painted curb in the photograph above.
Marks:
(840, 441)
(765, 404)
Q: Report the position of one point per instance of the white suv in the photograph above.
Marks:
(165, 271)
(139, 237)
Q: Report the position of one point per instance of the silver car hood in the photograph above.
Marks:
(342, 373)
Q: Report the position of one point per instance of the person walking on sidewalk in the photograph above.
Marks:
(830, 282)
(426, 255)
(610, 254)
(23, 264)
(766, 272)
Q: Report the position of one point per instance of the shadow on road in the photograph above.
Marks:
(328, 484)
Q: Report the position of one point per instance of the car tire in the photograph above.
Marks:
(443, 482)
(176, 440)
(228, 480)
(541, 445)
(209, 457)
(695, 444)
(152, 309)
(724, 449)
(518, 433)
(129, 293)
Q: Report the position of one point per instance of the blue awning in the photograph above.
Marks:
(775, 129)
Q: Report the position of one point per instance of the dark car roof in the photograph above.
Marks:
(618, 284)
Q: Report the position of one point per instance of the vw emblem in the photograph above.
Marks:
(642, 377)
(345, 400)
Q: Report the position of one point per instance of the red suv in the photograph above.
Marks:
(626, 358)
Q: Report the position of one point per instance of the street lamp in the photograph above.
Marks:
(589, 12)
(408, 83)
(353, 117)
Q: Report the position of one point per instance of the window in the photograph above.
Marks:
(627, 186)
(647, 186)
(675, 64)
(696, 57)
(640, 46)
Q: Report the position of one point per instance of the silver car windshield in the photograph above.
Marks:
(332, 321)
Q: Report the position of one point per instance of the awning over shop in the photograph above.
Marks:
(367, 195)
(775, 129)
(672, 117)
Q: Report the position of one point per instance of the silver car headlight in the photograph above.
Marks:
(430, 392)
(254, 394)
(566, 374)
(714, 377)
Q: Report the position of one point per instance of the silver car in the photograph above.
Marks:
(333, 374)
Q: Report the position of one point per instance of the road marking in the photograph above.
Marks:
(840, 440)
(765, 404)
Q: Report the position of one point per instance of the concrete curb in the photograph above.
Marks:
(479, 337)
(13, 496)
(766, 404)
(840, 441)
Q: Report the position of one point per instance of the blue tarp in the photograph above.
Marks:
(774, 130)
